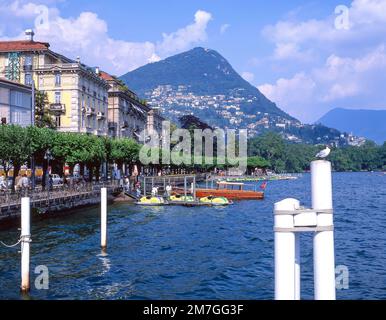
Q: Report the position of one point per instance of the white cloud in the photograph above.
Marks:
(224, 28)
(185, 37)
(321, 67)
(367, 22)
(249, 76)
(291, 51)
(87, 36)
(341, 81)
(291, 94)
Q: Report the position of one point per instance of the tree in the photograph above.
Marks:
(257, 162)
(42, 139)
(43, 117)
(15, 147)
(124, 151)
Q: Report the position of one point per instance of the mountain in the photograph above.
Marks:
(203, 80)
(365, 123)
(202, 83)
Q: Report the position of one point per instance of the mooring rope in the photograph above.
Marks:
(17, 243)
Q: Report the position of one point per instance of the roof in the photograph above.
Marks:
(17, 46)
(106, 76)
(15, 83)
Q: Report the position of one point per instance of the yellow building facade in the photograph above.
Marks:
(78, 96)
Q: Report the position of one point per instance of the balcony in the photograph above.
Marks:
(57, 108)
(101, 115)
(88, 111)
(112, 125)
(124, 126)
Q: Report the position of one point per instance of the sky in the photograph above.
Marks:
(307, 56)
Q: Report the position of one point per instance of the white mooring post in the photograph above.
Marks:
(297, 267)
(290, 221)
(287, 277)
(324, 257)
(25, 244)
(104, 218)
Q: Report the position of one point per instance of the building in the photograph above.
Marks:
(154, 121)
(127, 116)
(15, 103)
(77, 94)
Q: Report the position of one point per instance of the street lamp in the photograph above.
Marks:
(48, 156)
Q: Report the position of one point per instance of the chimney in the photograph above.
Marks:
(29, 35)
(78, 59)
(97, 71)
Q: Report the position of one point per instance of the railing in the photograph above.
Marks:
(62, 66)
(57, 195)
(57, 107)
(27, 67)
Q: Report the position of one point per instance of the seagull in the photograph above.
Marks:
(324, 153)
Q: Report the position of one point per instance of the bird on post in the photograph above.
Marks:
(324, 153)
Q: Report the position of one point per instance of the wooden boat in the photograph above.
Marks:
(231, 191)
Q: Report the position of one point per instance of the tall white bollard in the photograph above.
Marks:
(297, 266)
(104, 218)
(25, 244)
(324, 257)
(286, 275)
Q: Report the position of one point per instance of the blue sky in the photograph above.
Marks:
(293, 51)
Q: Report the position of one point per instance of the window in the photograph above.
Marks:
(28, 61)
(16, 98)
(58, 79)
(58, 121)
(58, 97)
(28, 79)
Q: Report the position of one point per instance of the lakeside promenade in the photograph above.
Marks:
(59, 199)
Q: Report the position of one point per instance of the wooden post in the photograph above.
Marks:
(25, 244)
(104, 218)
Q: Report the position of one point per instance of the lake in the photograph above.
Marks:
(200, 253)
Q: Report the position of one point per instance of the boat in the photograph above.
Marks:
(180, 198)
(151, 201)
(216, 201)
(231, 191)
(273, 177)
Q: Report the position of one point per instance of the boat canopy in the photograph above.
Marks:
(230, 185)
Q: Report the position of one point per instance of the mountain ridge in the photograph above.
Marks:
(362, 122)
(204, 70)
(202, 83)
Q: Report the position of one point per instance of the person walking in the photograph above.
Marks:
(3, 184)
(127, 184)
(24, 184)
(138, 189)
(50, 183)
(169, 190)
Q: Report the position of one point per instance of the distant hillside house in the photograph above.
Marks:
(15, 103)
(77, 95)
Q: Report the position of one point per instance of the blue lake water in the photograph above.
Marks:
(200, 253)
